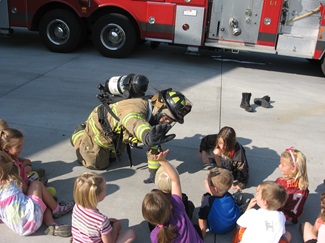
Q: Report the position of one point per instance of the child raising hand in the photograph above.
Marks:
(169, 216)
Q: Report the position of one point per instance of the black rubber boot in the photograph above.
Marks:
(151, 178)
(264, 102)
(245, 102)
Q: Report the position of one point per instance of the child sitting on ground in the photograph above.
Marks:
(223, 150)
(295, 180)
(169, 216)
(26, 162)
(218, 211)
(266, 224)
(23, 210)
(163, 183)
(88, 224)
(11, 141)
(315, 233)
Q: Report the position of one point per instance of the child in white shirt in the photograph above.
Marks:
(265, 224)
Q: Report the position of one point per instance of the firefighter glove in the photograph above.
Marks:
(157, 135)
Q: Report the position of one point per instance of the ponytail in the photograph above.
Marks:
(167, 234)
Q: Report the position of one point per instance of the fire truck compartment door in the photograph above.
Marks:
(4, 16)
(298, 38)
(160, 20)
(189, 25)
(245, 14)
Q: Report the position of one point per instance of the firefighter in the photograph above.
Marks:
(147, 120)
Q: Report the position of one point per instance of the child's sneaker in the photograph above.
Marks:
(58, 230)
(64, 208)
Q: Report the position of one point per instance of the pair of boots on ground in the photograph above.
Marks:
(245, 102)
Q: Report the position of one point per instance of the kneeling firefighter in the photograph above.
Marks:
(125, 118)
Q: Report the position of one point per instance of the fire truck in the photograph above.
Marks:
(283, 27)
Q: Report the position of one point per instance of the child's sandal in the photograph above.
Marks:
(59, 230)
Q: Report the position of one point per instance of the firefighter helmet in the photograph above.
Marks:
(177, 104)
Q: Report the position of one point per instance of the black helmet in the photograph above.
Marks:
(177, 103)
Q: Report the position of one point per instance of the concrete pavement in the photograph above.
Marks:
(46, 95)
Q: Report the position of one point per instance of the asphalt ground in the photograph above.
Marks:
(45, 95)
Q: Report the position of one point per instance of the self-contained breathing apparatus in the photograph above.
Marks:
(118, 88)
(115, 89)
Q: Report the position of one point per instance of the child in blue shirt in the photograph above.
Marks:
(218, 211)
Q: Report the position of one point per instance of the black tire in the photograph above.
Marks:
(313, 61)
(61, 31)
(322, 65)
(114, 35)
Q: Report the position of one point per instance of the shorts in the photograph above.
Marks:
(35, 210)
(311, 241)
(38, 201)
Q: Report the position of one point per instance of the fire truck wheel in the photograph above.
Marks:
(313, 61)
(323, 65)
(61, 31)
(114, 35)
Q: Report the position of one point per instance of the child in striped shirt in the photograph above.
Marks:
(88, 224)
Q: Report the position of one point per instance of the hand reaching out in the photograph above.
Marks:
(161, 157)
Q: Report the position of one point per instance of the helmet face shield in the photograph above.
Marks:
(184, 111)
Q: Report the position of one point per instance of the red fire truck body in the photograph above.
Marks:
(283, 27)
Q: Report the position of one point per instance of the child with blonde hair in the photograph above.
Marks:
(163, 183)
(266, 224)
(24, 213)
(88, 224)
(26, 162)
(295, 180)
(169, 216)
(315, 233)
(218, 211)
(12, 141)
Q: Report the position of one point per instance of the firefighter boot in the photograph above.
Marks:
(245, 102)
(151, 178)
(264, 102)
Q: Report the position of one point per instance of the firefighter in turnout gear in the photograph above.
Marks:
(108, 131)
